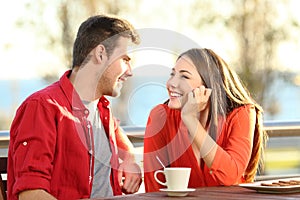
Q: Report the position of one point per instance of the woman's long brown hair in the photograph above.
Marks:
(228, 93)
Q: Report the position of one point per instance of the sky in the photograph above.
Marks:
(20, 54)
(22, 57)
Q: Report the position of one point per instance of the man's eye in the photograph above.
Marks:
(126, 60)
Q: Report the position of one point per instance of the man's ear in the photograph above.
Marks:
(99, 53)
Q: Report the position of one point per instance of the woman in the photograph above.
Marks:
(210, 124)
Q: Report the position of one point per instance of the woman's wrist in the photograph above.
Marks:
(207, 146)
(189, 118)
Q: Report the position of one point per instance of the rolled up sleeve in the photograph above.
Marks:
(34, 146)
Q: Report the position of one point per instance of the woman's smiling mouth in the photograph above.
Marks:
(175, 94)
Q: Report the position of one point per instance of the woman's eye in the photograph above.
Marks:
(184, 76)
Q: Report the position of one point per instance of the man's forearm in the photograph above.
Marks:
(125, 147)
(35, 194)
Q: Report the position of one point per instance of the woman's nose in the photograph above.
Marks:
(172, 82)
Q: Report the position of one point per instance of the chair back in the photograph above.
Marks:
(3, 177)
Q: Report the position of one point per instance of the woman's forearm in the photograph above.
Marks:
(205, 144)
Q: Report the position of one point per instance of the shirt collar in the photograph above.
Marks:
(70, 92)
(73, 96)
(103, 102)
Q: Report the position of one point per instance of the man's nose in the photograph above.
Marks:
(129, 70)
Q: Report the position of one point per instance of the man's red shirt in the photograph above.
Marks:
(50, 143)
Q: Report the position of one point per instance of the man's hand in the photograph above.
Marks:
(133, 177)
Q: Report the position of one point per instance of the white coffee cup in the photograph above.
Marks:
(177, 178)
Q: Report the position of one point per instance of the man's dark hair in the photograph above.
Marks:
(101, 29)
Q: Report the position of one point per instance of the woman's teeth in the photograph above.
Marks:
(174, 94)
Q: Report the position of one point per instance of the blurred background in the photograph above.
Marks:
(259, 39)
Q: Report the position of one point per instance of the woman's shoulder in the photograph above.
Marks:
(163, 109)
(161, 117)
(246, 109)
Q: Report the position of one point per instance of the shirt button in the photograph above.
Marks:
(105, 118)
(25, 143)
(86, 112)
(210, 171)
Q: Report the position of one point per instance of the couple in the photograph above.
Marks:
(65, 143)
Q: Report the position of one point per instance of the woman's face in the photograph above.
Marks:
(183, 79)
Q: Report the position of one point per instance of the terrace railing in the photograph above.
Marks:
(282, 154)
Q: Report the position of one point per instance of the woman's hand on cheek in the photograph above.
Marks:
(196, 102)
(202, 95)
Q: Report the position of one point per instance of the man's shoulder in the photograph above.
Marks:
(53, 90)
(48, 95)
(48, 91)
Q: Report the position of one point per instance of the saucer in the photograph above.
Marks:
(177, 193)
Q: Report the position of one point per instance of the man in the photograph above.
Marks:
(64, 142)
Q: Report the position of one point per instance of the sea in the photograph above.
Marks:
(142, 95)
